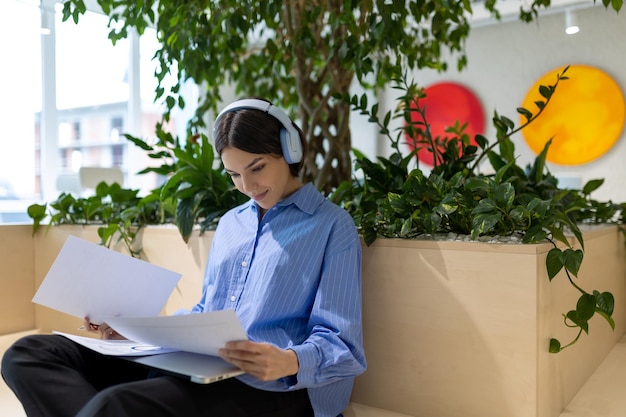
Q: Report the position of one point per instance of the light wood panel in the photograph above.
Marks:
(17, 313)
(455, 328)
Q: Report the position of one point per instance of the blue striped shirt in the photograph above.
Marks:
(294, 279)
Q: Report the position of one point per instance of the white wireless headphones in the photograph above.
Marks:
(289, 136)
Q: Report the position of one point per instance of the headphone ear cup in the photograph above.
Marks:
(285, 143)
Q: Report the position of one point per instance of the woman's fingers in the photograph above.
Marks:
(104, 330)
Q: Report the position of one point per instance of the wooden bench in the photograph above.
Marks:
(10, 406)
(20, 276)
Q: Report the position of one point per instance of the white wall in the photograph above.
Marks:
(506, 59)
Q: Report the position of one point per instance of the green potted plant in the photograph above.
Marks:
(197, 189)
(196, 192)
(393, 201)
(120, 214)
(483, 315)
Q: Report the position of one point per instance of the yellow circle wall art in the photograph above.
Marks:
(585, 115)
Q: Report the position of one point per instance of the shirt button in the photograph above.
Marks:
(244, 263)
(232, 298)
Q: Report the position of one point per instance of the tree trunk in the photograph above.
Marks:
(325, 121)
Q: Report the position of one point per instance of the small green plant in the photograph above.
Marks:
(392, 200)
(119, 213)
(196, 191)
(196, 187)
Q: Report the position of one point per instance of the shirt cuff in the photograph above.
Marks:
(308, 360)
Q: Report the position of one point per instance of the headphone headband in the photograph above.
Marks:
(289, 136)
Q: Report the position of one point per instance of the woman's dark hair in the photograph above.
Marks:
(253, 131)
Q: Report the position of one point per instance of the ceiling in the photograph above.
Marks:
(509, 9)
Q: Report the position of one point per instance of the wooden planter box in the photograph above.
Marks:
(451, 328)
(17, 285)
(462, 329)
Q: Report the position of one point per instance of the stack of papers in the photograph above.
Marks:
(89, 280)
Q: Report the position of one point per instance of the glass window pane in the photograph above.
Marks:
(94, 83)
(90, 70)
(21, 92)
(92, 96)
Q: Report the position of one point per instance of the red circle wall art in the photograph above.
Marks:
(446, 103)
(585, 116)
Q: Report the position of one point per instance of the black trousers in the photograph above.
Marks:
(55, 377)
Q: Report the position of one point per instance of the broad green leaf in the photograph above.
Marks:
(554, 264)
(406, 227)
(605, 302)
(572, 259)
(586, 306)
(484, 222)
(486, 205)
(534, 234)
(555, 346)
(591, 186)
(504, 194)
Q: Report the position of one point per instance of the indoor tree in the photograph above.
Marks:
(301, 54)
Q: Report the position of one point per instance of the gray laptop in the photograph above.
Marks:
(196, 338)
(201, 369)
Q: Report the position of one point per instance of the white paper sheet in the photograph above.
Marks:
(203, 333)
(91, 280)
(117, 347)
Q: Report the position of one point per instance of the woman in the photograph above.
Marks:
(288, 262)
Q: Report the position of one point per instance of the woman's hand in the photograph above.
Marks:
(103, 330)
(261, 360)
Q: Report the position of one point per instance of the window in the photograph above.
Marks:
(21, 83)
(57, 118)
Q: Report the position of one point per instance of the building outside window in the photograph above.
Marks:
(69, 97)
